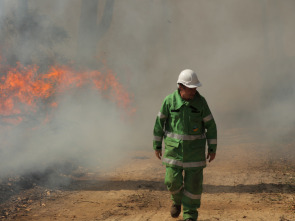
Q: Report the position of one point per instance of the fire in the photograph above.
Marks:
(23, 88)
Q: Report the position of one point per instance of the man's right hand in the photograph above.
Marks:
(158, 154)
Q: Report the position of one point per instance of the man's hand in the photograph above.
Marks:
(158, 154)
(211, 156)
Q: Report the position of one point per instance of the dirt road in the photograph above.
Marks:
(249, 181)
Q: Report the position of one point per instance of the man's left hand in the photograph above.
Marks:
(211, 156)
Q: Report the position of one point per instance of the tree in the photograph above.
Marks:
(90, 33)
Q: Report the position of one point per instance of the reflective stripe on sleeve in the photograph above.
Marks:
(184, 165)
(176, 191)
(212, 141)
(161, 116)
(192, 196)
(184, 136)
(157, 138)
(208, 118)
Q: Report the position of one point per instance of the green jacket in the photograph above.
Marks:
(185, 127)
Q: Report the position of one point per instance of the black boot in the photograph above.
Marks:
(175, 210)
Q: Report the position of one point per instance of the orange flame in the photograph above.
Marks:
(23, 87)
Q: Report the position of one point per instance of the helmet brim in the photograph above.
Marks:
(191, 86)
(194, 86)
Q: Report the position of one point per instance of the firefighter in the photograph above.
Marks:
(186, 124)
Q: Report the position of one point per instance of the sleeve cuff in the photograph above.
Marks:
(212, 148)
(157, 148)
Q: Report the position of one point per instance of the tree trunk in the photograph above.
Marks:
(89, 31)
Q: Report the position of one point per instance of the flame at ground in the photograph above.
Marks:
(24, 88)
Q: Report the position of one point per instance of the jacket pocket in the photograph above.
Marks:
(195, 124)
(172, 148)
(175, 122)
(171, 143)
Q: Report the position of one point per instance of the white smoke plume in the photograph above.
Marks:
(242, 52)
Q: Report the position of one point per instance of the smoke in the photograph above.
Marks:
(85, 130)
(242, 52)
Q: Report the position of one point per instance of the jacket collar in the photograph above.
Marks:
(178, 102)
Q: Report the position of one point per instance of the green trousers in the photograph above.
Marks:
(186, 187)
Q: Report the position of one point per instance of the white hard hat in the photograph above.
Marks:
(189, 79)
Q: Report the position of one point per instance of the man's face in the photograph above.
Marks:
(187, 93)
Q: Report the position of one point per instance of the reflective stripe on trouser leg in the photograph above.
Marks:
(193, 187)
(174, 183)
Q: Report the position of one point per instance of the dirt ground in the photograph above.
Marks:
(248, 181)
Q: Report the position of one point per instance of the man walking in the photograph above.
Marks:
(186, 123)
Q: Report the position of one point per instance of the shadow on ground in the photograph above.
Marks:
(103, 185)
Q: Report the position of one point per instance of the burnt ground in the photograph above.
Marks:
(247, 181)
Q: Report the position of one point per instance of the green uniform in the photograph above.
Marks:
(186, 126)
